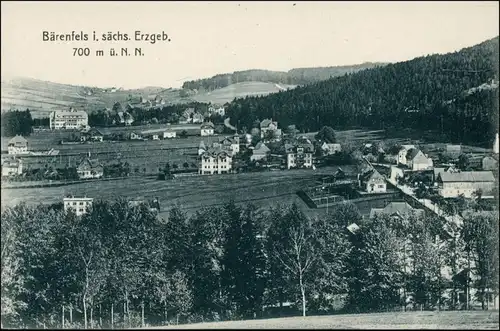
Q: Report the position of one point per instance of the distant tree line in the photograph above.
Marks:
(426, 93)
(121, 266)
(298, 76)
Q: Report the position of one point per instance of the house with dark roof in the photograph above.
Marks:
(398, 210)
(89, 168)
(372, 181)
(454, 184)
(18, 145)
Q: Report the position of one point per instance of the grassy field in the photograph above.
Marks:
(264, 189)
(409, 320)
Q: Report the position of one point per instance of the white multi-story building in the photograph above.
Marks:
(68, 119)
(78, 205)
(300, 156)
(18, 145)
(215, 161)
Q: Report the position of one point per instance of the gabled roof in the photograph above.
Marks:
(261, 148)
(202, 145)
(18, 140)
(215, 152)
(91, 163)
(266, 122)
(207, 125)
(371, 174)
(412, 152)
(396, 208)
(467, 176)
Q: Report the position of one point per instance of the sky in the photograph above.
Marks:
(209, 38)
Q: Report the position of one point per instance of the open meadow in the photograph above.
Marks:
(264, 189)
(464, 320)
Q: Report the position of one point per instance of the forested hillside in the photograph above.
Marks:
(411, 94)
(298, 76)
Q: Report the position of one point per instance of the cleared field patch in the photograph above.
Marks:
(239, 90)
(264, 189)
(408, 320)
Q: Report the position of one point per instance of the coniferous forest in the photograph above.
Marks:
(121, 266)
(426, 93)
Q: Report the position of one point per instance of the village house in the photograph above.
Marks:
(299, 155)
(231, 143)
(260, 151)
(403, 150)
(90, 169)
(18, 145)
(489, 163)
(135, 136)
(125, 118)
(414, 159)
(78, 205)
(397, 210)
(216, 110)
(197, 118)
(372, 181)
(92, 135)
(268, 125)
(215, 161)
(330, 149)
(207, 129)
(12, 167)
(453, 184)
(169, 134)
(68, 119)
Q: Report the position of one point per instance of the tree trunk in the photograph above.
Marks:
(166, 316)
(142, 314)
(128, 313)
(62, 320)
(85, 311)
(177, 319)
(112, 316)
(100, 316)
(71, 314)
(91, 315)
(303, 292)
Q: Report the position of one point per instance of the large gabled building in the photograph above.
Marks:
(215, 161)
